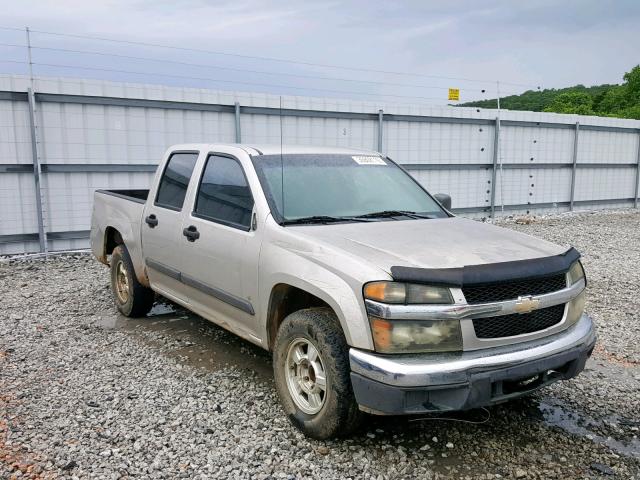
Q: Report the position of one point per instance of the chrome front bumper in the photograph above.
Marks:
(450, 381)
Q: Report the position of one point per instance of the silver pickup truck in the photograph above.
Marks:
(371, 295)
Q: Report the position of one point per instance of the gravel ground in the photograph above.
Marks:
(610, 247)
(85, 393)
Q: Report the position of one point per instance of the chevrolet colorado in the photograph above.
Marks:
(371, 295)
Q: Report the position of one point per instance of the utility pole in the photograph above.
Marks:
(37, 171)
(29, 56)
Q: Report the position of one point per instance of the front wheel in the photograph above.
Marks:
(312, 374)
(131, 297)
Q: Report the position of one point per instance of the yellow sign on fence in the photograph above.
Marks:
(454, 94)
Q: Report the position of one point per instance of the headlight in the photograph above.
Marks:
(406, 293)
(414, 336)
(576, 272)
(576, 306)
(575, 309)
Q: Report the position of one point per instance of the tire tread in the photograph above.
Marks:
(321, 325)
(142, 297)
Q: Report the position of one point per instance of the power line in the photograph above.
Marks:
(242, 70)
(271, 59)
(224, 81)
(241, 82)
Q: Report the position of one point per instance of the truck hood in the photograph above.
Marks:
(438, 243)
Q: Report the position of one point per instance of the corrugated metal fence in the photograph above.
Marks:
(69, 137)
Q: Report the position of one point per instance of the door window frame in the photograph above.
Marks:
(164, 170)
(237, 226)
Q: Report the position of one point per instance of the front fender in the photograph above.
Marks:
(343, 295)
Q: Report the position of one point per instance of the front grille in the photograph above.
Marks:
(518, 323)
(497, 292)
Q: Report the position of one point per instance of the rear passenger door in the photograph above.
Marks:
(162, 222)
(220, 248)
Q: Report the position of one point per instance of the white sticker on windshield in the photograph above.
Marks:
(368, 160)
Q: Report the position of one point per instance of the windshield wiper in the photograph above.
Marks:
(366, 217)
(393, 213)
(322, 219)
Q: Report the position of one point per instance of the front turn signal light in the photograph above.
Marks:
(407, 293)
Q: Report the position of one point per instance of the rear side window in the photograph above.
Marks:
(224, 195)
(175, 180)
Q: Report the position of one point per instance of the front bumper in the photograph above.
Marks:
(419, 383)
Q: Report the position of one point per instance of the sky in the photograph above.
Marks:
(424, 47)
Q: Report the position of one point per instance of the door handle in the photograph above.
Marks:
(151, 220)
(191, 233)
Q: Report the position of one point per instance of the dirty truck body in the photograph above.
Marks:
(372, 296)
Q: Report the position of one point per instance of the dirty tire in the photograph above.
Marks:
(135, 300)
(339, 415)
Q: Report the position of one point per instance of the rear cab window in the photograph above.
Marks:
(175, 180)
(224, 195)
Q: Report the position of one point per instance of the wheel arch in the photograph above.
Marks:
(283, 301)
(291, 294)
(112, 238)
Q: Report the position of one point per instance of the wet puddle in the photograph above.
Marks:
(556, 415)
(193, 340)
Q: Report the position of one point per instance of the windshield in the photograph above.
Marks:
(341, 187)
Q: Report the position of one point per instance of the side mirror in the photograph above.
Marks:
(444, 199)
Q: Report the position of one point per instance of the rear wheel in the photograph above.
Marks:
(311, 369)
(131, 297)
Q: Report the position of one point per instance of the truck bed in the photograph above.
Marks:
(139, 196)
(121, 211)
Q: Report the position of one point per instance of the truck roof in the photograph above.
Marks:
(274, 149)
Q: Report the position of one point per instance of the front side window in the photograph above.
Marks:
(224, 195)
(341, 187)
(175, 180)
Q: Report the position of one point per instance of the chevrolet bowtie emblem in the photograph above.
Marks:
(526, 304)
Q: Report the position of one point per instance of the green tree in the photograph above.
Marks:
(622, 101)
(630, 112)
(632, 82)
(613, 100)
(572, 102)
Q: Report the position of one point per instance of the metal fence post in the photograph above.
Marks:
(37, 171)
(575, 166)
(635, 198)
(238, 134)
(380, 130)
(496, 148)
(42, 235)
